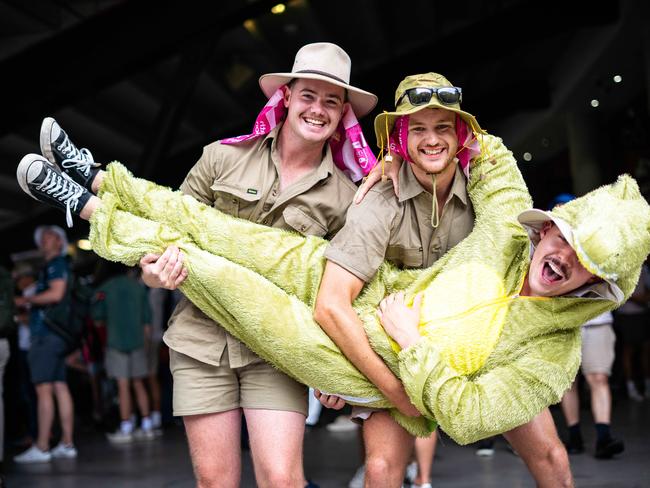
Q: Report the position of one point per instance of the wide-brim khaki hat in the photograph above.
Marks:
(326, 62)
(385, 121)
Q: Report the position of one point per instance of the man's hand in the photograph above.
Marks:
(329, 401)
(391, 172)
(21, 302)
(403, 403)
(400, 321)
(165, 271)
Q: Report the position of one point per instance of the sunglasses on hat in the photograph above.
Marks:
(447, 95)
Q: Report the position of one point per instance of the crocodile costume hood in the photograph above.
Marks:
(490, 359)
(598, 227)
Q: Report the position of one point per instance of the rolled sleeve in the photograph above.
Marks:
(360, 246)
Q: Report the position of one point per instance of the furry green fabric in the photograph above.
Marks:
(491, 360)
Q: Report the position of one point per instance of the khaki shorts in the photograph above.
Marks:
(598, 349)
(126, 364)
(201, 388)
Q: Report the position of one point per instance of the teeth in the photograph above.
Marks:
(314, 121)
(431, 152)
(555, 269)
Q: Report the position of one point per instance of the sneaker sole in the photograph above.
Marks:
(46, 132)
(23, 168)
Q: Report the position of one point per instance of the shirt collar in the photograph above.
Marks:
(326, 167)
(410, 187)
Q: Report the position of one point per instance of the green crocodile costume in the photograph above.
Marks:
(491, 359)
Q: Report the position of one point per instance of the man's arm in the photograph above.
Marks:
(472, 407)
(54, 294)
(334, 313)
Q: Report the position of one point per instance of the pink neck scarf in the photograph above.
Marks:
(468, 146)
(350, 150)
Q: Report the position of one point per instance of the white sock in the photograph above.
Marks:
(126, 426)
(156, 419)
(146, 423)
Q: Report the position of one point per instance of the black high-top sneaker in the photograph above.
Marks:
(45, 182)
(57, 147)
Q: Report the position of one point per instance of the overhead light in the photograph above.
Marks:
(595, 103)
(618, 78)
(528, 156)
(84, 245)
(279, 8)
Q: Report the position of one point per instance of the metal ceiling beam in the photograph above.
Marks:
(92, 55)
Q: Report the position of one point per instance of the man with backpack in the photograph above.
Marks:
(48, 349)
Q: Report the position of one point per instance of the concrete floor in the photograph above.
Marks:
(331, 459)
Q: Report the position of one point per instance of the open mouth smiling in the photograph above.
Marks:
(553, 270)
(314, 122)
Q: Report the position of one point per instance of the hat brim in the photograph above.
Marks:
(384, 122)
(362, 101)
(533, 220)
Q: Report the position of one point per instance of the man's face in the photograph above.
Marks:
(554, 268)
(50, 243)
(432, 141)
(314, 109)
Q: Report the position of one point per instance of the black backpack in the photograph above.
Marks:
(67, 317)
(7, 322)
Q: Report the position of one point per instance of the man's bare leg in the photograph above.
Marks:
(425, 449)
(388, 450)
(538, 444)
(276, 440)
(215, 433)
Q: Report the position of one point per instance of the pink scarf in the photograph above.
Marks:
(350, 150)
(467, 142)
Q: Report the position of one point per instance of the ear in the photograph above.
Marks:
(287, 96)
(546, 226)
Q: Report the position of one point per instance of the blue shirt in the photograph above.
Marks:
(56, 268)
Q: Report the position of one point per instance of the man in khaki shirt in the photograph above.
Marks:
(431, 214)
(287, 179)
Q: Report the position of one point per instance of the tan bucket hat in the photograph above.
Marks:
(385, 121)
(327, 62)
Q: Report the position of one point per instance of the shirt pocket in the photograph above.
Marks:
(405, 257)
(232, 199)
(302, 222)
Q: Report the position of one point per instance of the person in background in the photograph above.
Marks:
(122, 305)
(47, 351)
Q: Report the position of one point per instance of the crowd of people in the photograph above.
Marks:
(101, 326)
(455, 197)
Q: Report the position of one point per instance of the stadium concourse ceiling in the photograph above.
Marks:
(151, 82)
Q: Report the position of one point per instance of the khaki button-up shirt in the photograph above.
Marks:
(399, 230)
(243, 180)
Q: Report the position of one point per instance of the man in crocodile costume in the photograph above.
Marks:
(498, 344)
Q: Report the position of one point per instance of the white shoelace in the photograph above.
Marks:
(76, 158)
(62, 188)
